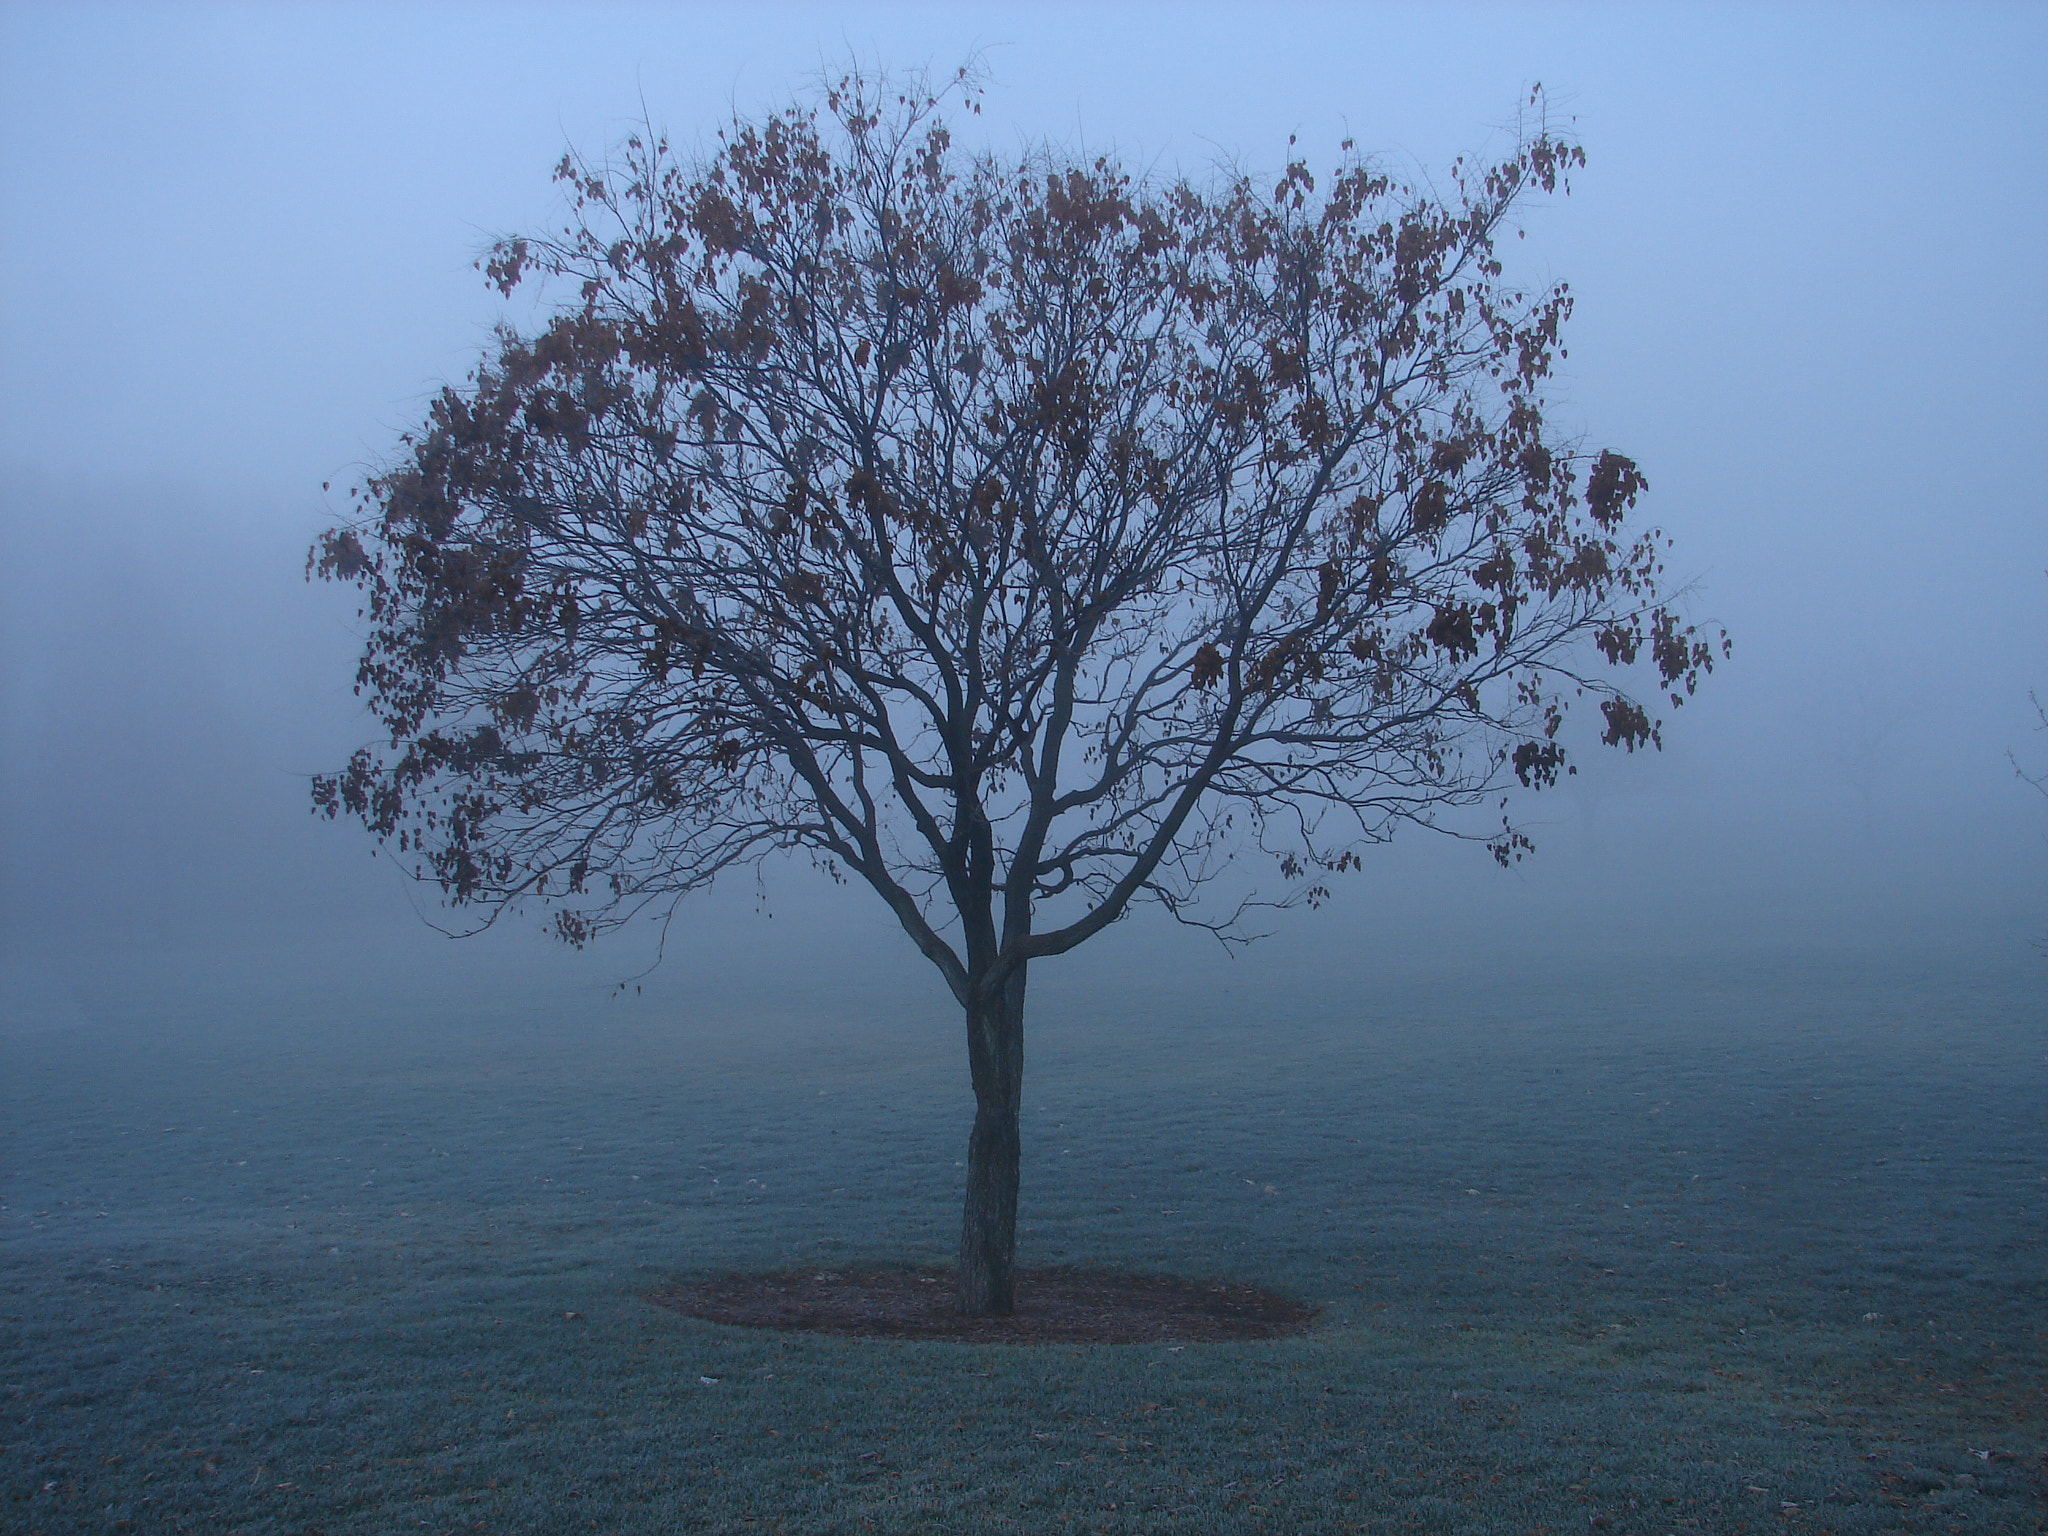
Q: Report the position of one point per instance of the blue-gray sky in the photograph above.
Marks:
(236, 250)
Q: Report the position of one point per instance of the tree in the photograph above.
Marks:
(1021, 538)
(2038, 780)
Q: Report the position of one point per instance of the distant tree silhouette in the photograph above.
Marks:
(1021, 538)
(2038, 780)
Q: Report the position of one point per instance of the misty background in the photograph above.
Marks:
(236, 260)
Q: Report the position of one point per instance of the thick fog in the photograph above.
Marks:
(1807, 252)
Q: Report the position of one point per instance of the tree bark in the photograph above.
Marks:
(988, 1224)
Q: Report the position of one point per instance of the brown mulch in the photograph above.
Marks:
(1054, 1306)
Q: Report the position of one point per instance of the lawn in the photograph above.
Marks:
(1717, 1245)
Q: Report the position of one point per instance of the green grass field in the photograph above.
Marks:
(1702, 1247)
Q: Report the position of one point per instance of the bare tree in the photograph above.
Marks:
(1861, 741)
(1021, 538)
(2038, 780)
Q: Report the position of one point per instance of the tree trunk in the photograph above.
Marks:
(988, 1225)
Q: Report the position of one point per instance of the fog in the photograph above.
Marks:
(1689, 1175)
(237, 258)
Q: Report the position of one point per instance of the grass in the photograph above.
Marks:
(1691, 1248)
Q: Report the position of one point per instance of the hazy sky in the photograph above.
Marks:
(236, 250)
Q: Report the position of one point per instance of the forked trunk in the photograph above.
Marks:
(988, 1225)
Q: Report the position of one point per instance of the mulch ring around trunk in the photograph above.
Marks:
(1054, 1306)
